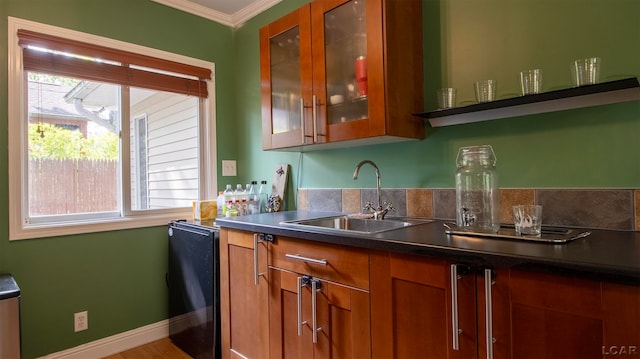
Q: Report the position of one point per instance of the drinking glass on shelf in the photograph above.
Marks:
(586, 71)
(531, 81)
(485, 90)
(446, 98)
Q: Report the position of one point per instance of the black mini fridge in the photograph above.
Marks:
(194, 285)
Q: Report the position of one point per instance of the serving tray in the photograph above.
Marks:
(556, 235)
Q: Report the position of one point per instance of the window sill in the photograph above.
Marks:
(63, 229)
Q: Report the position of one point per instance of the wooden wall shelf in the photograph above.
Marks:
(577, 97)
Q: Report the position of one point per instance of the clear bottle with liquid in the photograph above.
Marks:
(253, 200)
(244, 208)
(220, 204)
(228, 196)
(238, 193)
(232, 209)
(263, 196)
(477, 191)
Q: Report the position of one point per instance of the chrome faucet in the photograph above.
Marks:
(381, 209)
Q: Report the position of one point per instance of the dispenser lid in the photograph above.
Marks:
(479, 155)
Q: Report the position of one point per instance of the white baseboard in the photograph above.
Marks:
(115, 343)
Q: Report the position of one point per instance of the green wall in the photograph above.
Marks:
(119, 276)
(470, 40)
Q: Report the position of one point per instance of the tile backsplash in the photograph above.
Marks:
(616, 209)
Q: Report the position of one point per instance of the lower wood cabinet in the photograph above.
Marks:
(275, 292)
(243, 295)
(545, 315)
(292, 298)
(338, 314)
(318, 301)
(431, 308)
(621, 314)
(411, 312)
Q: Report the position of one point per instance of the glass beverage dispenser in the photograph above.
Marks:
(477, 191)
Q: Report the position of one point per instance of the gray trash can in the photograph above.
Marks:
(9, 318)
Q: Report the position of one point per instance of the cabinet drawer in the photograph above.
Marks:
(340, 264)
(239, 238)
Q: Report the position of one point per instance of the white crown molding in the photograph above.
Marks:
(234, 20)
(243, 15)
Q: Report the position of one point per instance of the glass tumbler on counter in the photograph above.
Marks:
(527, 220)
(477, 191)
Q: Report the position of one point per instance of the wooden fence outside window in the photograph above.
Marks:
(69, 186)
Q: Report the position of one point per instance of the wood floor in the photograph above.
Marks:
(162, 348)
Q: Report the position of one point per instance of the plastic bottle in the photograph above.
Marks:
(227, 208)
(232, 210)
(228, 196)
(237, 208)
(253, 200)
(238, 193)
(220, 204)
(263, 196)
(477, 191)
(244, 208)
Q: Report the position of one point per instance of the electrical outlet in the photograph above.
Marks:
(80, 321)
(229, 168)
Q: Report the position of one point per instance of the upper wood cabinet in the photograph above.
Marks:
(335, 71)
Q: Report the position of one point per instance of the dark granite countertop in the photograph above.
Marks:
(8, 287)
(608, 254)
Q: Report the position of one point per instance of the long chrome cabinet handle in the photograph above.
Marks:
(307, 259)
(454, 307)
(488, 309)
(302, 120)
(302, 282)
(256, 273)
(314, 118)
(315, 288)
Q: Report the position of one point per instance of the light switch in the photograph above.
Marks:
(229, 168)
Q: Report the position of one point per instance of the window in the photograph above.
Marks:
(104, 135)
(139, 179)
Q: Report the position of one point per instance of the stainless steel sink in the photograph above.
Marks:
(346, 224)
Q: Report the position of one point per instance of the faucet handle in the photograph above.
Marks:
(368, 206)
(388, 206)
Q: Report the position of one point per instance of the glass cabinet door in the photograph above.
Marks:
(286, 87)
(345, 56)
(342, 70)
(285, 47)
(348, 72)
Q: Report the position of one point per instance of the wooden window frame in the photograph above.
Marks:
(17, 111)
(183, 78)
